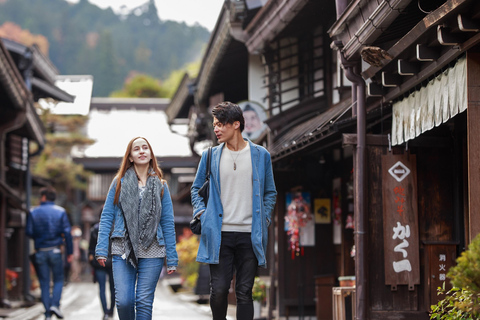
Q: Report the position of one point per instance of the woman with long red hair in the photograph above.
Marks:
(140, 208)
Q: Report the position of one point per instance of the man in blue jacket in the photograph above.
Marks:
(49, 227)
(235, 222)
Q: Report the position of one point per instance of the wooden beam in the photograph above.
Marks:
(390, 79)
(425, 53)
(350, 139)
(375, 90)
(473, 144)
(467, 25)
(431, 68)
(406, 68)
(445, 38)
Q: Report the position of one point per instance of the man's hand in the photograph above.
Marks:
(70, 258)
(170, 271)
(101, 261)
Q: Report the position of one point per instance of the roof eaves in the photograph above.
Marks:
(35, 126)
(272, 19)
(217, 47)
(179, 99)
(51, 91)
(11, 79)
(371, 28)
(43, 66)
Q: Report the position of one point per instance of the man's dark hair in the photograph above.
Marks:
(49, 192)
(228, 112)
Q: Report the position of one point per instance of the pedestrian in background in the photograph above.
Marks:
(49, 227)
(235, 221)
(101, 273)
(76, 263)
(140, 207)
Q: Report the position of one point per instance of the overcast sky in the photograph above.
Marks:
(204, 12)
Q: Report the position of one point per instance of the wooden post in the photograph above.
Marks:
(3, 247)
(473, 132)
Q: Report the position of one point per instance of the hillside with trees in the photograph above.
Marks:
(85, 39)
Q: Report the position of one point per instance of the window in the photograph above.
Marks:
(295, 70)
(98, 185)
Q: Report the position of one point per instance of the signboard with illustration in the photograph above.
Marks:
(299, 222)
(322, 210)
(255, 116)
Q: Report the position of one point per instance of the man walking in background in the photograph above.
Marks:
(49, 227)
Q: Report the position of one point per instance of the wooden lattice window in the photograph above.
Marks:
(295, 70)
(98, 185)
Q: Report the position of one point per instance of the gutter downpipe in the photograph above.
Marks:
(340, 6)
(360, 186)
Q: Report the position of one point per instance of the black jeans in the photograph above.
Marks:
(236, 251)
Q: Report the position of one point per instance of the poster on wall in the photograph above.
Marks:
(254, 115)
(299, 220)
(322, 210)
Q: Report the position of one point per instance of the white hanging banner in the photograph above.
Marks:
(443, 98)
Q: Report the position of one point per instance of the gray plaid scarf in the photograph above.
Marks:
(141, 224)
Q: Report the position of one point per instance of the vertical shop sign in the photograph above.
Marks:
(400, 220)
(441, 257)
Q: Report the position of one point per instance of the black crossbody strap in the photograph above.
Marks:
(209, 156)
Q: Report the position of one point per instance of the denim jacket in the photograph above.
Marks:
(113, 214)
(48, 225)
(264, 196)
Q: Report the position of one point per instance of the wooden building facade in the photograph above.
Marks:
(275, 57)
(369, 111)
(25, 76)
(416, 63)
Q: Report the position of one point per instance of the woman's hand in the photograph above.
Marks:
(101, 261)
(170, 271)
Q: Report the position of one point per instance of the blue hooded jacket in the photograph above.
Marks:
(263, 202)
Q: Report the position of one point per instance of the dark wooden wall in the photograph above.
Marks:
(473, 111)
(296, 277)
(438, 192)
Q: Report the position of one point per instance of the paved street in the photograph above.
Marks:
(80, 302)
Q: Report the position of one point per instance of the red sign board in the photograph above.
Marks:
(400, 220)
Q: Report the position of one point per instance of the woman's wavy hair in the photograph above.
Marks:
(126, 164)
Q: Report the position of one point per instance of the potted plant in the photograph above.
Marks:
(259, 295)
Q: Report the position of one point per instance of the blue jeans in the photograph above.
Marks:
(236, 253)
(101, 276)
(135, 287)
(50, 261)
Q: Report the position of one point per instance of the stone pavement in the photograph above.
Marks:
(80, 301)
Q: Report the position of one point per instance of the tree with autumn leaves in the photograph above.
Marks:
(54, 163)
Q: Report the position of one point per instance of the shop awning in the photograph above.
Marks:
(307, 132)
(441, 99)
